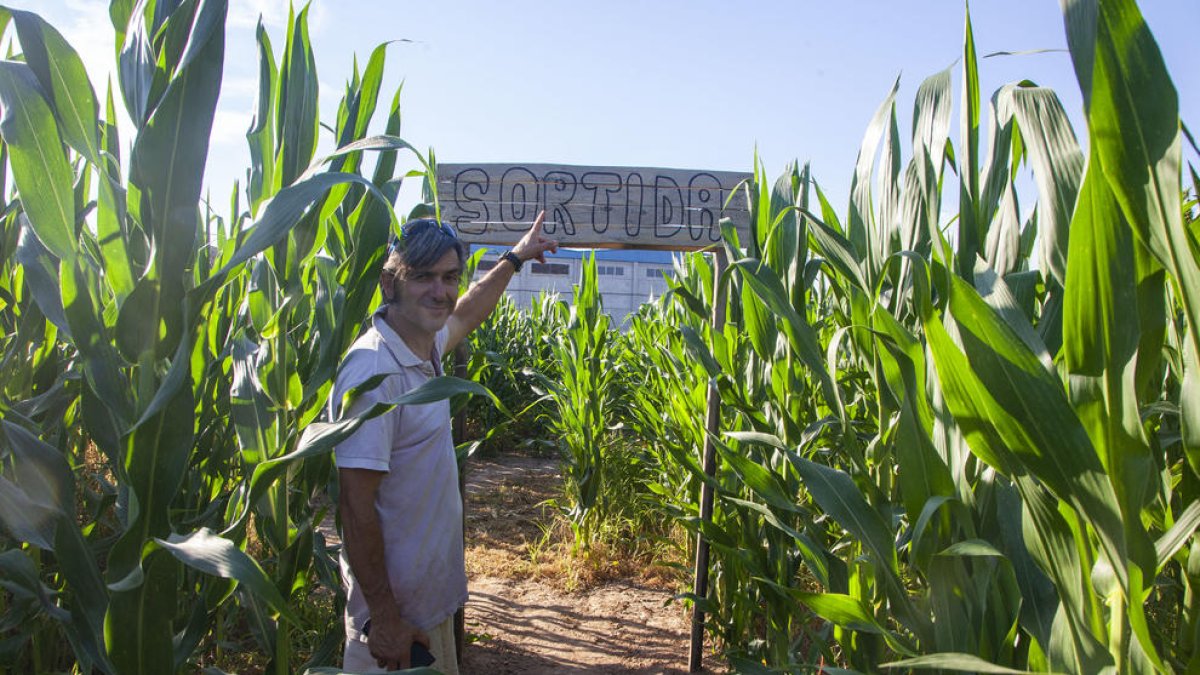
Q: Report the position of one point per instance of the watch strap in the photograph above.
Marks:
(512, 258)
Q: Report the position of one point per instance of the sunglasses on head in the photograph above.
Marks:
(415, 227)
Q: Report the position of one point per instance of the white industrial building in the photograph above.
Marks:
(627, 278)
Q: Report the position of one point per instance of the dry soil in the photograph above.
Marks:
(529, 615)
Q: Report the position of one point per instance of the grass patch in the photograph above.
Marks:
(515, 531)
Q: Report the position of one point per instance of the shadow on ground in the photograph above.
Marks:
(515, 634)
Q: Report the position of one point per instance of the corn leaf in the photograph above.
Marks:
(769, 288)
(88, 600)
(861, 229)
(1057, 164)
(974, 599)
(40, 470)
(837, 495)
(63, 80)
(923, 474)
(136, 60)
(380, 143)
(996, 292)
(969, 233)
(41, 275)
(787, 243)
(835, 492)
(279, 216)
(112, 222)
(261, 136)
(997, 173)
(321, 437)
(296, 119)
(26, 518)
(20, 577)
(837, 250)
(1039, 598)
(1051, 534)
(1017, 418)
(214, 555)
(887, 215)
(40, 170)
(156, 454)
(137, 632)
(140, 329)
(967, 663)
(1003, 246)
(176, 136)
(760, 480)
(1133, 116)
(808, 550)
(1175, 538)
(249, 408)
(1100, 346)
(921, 201)
(845, 611)
(699, 351)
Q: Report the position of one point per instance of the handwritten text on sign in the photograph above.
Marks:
(590, 206)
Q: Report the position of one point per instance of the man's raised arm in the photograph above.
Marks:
(479, 300)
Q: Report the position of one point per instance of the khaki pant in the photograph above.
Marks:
(358, 659)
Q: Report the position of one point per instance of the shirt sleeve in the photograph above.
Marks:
(370, 446)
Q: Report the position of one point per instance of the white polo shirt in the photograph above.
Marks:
(419, 504)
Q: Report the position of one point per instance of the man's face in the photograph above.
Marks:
(425, 297)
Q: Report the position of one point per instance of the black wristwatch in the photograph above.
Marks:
(512, 258)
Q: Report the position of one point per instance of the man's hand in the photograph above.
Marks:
(481, 298)
(391, 641)
(534, 244)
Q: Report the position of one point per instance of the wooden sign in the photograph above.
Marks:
(591, 206)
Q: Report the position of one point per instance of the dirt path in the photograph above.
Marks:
(521, 618)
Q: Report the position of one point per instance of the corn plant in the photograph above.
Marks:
(161, 454)
(956, 455)
(933, 453)
(667, 397)
(582, 403)
(511, 354)
(965, 445)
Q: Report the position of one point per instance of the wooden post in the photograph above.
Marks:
(713, 423)
(460, 432)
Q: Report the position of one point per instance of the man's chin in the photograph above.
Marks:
(434, 321)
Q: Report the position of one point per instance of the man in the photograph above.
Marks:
(402, 554)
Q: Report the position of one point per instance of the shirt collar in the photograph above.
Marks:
(396, 344)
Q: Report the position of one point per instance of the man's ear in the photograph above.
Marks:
(385, 286)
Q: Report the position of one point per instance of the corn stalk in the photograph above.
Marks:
(162, 452)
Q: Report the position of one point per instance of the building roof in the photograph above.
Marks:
(611, 255)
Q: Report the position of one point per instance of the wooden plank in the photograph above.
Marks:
(591, 206)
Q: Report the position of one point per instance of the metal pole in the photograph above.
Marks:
(713, 423)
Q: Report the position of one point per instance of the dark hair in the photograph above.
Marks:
(422, 243)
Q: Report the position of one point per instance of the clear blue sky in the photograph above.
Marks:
(674, 83)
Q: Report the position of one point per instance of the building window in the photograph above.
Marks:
(485, 265)
(610, 270)
(655, 272)
(556, 269)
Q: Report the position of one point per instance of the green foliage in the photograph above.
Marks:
(583, 399)
(962, 457)
(162, 463)
(959, 441)
(512, 354)
(979, 466)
